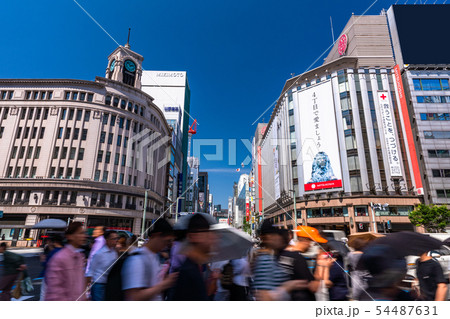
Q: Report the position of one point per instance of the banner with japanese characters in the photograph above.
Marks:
(390, 136)
(320, 150)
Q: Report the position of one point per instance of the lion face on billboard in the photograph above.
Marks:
(321, 169)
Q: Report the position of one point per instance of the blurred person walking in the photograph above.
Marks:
(272, 281)
(65, 271)
(141, 277)
(241, 272)
(358, 278)
(56, 243)
(433, 284)
(222, 294)
(11, 266)
(191, 285)
(101, 265)
(99, 242)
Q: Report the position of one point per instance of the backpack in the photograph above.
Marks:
(113, 289)
(227, 276)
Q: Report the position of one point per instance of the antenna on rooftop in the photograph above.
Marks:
(128, 40)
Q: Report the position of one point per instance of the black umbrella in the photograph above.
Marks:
(447, 242)
(408, 243)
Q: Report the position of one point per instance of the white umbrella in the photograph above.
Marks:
(50, 224)
(231, 243)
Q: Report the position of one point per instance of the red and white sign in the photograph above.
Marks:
(223, 220)
(342, 44)
(323, 185)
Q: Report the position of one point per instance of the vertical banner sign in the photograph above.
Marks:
(259, 179)
(320, 150)
(408, 131)
(389, 134)
(276, 165)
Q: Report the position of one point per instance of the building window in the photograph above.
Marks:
(443, 193)
(441, 173)
(436, 134)
(430, 84)
(84, 134)
(121, 178)
(26, 133)
(110, 138)
(102, 137)
(435, 116)
(67, 95)
(71, 114)
(63, 114)
(438, 153)
(108, 100)
(124, 160)
(123, 104)
(23, 111)
(105, 118)
(121, 120)
(97, 175)
(30, 152)
(33, 172)
(69, 172)
(46, 111)
(30, 114)
(130, 106)
(2, 129)
(105, 176)
(33, 133)
(64, 153)
(50, 95)
(119, 140)
(90, 97)
(116, 159)
(99, 156)
(113, 120)
(21, 152)
(60, 132)
(87, 115)
(114, 179)
(79, 115)
(127, 125)
(107, 157)
(38, 152)
(116, 101)
(68, 131)
(75, 96)
(42, 133)
(77, 173)
(80, 154)
(38, 113)
(433, 99)
(72, 153)
(14, 152)
(125, 142)
(76, 133)
(55, 152)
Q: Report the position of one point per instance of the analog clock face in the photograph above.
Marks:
(113, 64)
(130, 66)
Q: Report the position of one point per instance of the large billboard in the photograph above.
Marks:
(320, 150)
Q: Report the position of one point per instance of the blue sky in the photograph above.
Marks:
(238, 54)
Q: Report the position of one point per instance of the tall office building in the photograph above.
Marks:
(422, 74)
(81, 150)
(171, 93)
(335, 140)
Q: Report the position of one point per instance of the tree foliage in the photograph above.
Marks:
(433, 218)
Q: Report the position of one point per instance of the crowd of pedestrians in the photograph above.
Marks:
(174, 265)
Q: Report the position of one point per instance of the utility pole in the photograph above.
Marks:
(295, 214)
(143, 214)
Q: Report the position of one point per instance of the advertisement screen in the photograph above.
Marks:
(320, 150)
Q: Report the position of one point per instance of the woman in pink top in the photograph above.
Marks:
(65, 272)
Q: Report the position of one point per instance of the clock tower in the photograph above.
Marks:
(125, 66)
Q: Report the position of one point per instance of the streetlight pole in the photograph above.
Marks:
(295, 213)
(176, 213)
(143, 214)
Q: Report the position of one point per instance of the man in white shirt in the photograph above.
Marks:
(141, 278)
(101, 265)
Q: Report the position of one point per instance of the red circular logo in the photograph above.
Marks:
(342, 44)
